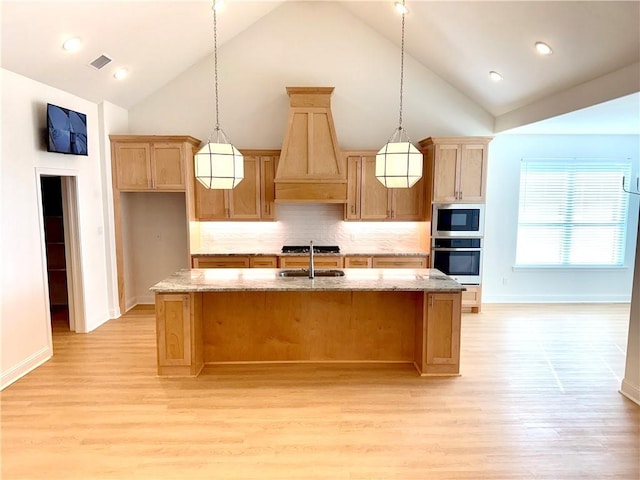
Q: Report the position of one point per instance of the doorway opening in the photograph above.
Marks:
(61, 251)
(54, 238)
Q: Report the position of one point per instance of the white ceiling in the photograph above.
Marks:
(458, 41)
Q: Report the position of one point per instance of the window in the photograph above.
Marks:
(572, 212)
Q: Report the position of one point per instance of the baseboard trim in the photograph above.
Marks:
(27, 365)
(631, 391)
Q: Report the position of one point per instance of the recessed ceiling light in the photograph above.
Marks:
(543, 48)
(121, 74)
(72, 44)
(401, 8)
(495, 76)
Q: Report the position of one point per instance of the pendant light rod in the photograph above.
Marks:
(401, 68)
(215, 60)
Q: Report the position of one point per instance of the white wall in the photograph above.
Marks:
(631, 383)
(501, 282)
(317, 44)
(113, 119)
(154, 225)
(25, 338)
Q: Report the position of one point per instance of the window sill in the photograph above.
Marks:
(598, 268)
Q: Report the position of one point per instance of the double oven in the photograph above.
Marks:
(457, 232)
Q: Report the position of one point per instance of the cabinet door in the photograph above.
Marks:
(260, 261)
(232, 261)
(375, 197)
(399, 262)
(443, 330)
(303, 262)
(408, 203)
(267, 187)
(210, 204)
(133, 166)
(167, 166)
(173, 318)
(354, 184)
(357, 262)
(473, 163)
(244, 200)
(445, 174)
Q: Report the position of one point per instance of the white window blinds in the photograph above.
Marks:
(572, 212)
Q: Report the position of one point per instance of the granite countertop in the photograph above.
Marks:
(341, 254)
(267, 279)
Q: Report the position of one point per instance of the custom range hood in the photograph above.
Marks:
(311, 168)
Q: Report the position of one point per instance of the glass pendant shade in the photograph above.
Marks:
(219, 166)
(399, 163)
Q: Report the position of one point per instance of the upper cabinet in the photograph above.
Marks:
(144, 163)
(252, 199)
(456, 168)
(368, 199)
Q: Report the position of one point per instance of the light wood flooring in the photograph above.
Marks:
(537, 399)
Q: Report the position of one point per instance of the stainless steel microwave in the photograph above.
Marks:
(457, 220)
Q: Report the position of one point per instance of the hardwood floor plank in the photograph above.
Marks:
(537, 399)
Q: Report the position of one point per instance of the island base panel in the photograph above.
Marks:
(310, 326)
(194, 329)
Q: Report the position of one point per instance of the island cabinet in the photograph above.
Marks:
(219, 317)
(439, 352)
(368, 199)
(253, 198)
(147, 163)
(178, 328)
(456, 168)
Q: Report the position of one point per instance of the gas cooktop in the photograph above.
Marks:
(305, 249)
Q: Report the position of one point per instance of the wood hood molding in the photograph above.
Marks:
(311, 167)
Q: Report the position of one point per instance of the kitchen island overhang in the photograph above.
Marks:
(222, 316)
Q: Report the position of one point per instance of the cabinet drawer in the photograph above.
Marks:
(357, 262)
(238, 261)
(263, 262)
(399, 262)
(303, 262)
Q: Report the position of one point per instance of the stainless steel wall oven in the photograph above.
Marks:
(460, 258)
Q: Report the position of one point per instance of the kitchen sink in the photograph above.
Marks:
(305, 273)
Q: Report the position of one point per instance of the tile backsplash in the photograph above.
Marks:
(300, 223)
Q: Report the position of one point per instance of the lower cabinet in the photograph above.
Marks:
(303, 262)
(263, 261)
(231, 261)
(472, 298)
(357, 262)
(399, 262)
(439, 351)
(178, 322)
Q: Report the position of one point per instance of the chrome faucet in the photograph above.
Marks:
(312, 271)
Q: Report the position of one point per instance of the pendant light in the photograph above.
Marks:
(399, 163)
(218, 164)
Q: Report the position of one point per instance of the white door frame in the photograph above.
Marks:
(69, 180)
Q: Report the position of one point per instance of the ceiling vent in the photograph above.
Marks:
(100, 62)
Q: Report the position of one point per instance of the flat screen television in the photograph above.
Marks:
(66, 131)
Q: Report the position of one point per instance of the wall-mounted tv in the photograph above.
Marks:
(66, 131)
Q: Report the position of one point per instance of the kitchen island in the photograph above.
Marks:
(216, 316)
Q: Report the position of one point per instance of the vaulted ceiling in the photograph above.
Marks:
(596, 45)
